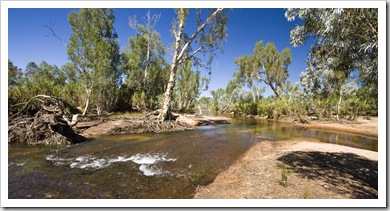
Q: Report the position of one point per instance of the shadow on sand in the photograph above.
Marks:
(346, 173)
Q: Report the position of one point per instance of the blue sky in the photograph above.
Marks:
(28, 38)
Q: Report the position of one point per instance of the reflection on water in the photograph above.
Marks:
(167, 165)
(279, 131)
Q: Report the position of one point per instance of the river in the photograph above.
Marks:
(163, 166)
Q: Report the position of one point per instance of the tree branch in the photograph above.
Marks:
(200, 28)
(54, 34)
(192, 55)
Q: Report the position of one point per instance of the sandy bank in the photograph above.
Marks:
(315, 170)
(361, 126)
(96, 128)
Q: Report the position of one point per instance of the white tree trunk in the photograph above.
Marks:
(88, 91)
(147, 63)
(339, 104)
(178, 58)
(172, 77)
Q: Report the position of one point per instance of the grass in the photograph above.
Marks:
(125, 114)
(306, 193)
(284, 176)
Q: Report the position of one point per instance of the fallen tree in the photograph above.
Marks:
(51, 123)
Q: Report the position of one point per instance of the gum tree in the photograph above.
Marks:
(265, 65)
(208, 37)
(345, 43)
(94, 50)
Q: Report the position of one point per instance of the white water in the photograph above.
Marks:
(148, 162)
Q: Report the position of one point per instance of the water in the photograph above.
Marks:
(169, 165)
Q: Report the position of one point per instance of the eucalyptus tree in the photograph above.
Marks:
(94, 50)
(220, 100)
(205, 103)
(44, 71)
(152, 43)
(265, 65)
(42, 79)
(232, 88)
(15, 83)
(143, 60)
(348, 36)
(14, 74)
(208, 37)
(188, 86)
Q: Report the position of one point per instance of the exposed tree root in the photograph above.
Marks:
(50, 125)
(150, 123)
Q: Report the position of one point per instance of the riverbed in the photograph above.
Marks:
(163, 166)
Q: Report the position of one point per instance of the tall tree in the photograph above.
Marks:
(348, 35)
(219, 99)
(345, 44)
(265, 65)
(204, 103)
(44, 71)
(94, 50)
(152, 43)
(143, 60)
(14, 74)
(209, 36)
(189, 86)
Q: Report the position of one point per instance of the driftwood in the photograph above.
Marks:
(51, 124)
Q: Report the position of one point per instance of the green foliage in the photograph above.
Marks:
(42, 79)
(209, 37)
(144, 66)
(265, 65)
(139, 101)
(14, 74)
(346, 41)
(205, 103)
(94, 51)
(118, 115)
(340, 78)
(188, 88)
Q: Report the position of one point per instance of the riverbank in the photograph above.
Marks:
(312, 170)
(98, 127)
(361, 126)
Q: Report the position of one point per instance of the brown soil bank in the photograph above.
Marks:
(140, 125)
(368, 127)
(314, 170)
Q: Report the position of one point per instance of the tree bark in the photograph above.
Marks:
(339, 104)
(89, 91)
(147, 62)
(275, 91)
(172, 77)
(178, 58)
